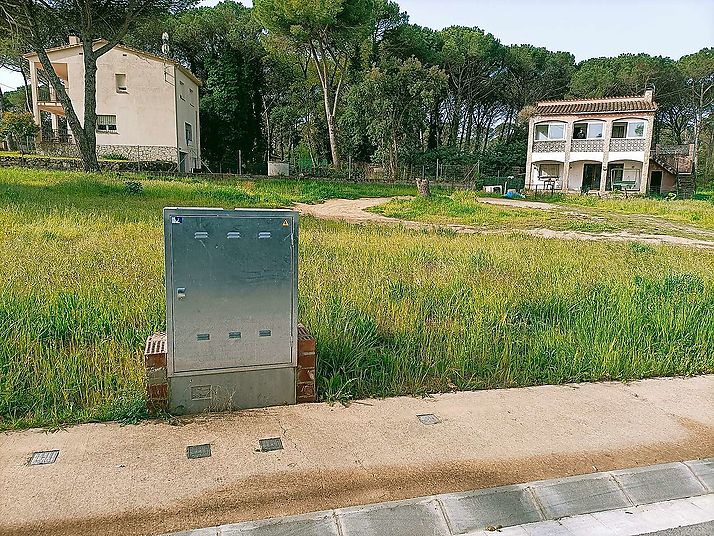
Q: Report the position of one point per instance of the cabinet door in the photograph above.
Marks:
(232, 292)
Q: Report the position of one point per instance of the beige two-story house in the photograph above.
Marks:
(598, 145)
(147, 105)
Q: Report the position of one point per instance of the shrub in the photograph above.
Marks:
(134, 187)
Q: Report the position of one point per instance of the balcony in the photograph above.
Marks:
(625, 145)
(550, 146)
(57, 136)
(588, 146)
(46, 94)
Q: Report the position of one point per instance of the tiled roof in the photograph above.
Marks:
(596, 106)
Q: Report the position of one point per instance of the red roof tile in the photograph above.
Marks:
(600, 106)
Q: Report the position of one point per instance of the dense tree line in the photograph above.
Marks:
(339, 79)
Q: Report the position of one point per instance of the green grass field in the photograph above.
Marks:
(394, 311)
(688, 218)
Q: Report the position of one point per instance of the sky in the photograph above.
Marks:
(587, 28)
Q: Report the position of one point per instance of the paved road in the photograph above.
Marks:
(115, 480)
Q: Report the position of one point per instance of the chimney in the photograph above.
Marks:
(649, 95)
(73, 40)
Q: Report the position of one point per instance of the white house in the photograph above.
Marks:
(147, 105)
(600, 145)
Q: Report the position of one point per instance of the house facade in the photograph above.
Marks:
(598, 145)
(147, 105)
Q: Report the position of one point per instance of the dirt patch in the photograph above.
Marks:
(355, 211)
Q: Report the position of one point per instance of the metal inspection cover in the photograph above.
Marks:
(44, 457)
(198, 451)
(268, 445)
(428, 419)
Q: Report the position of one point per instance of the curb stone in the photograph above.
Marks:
(456, 514)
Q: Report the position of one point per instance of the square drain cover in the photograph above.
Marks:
(198, 451)
(429, 418)
(274, 443)
(44, 457)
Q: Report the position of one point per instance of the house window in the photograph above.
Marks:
(121, 82)
(587, 131)
(106, 123)
(188, 127)
(549, 171)
(181, 90)
(628, 129)
(550, 131)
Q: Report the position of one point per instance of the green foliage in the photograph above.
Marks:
(134, 187)
(18, 127)
(336, 21)
(394, 101)
(288, 75)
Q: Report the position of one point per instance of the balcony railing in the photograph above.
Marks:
(57, 136)
(627, 145)
(549, 146)
(588, 146)
(45, 94)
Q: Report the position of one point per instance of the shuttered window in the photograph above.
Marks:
(107, 123)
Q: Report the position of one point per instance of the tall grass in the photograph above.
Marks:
(394, 311)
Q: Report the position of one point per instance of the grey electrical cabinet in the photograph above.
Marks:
(231, 308)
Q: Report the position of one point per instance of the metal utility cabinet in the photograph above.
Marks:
(231, 308)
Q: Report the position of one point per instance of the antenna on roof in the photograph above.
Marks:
(165, 44)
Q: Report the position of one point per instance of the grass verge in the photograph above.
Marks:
(394, 311)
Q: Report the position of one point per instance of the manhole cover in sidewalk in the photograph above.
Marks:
(270, 444)
(44, 457)
(429, 419)
(198, 451)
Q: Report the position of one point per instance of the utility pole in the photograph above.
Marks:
(240, 162)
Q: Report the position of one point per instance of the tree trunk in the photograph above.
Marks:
(469, 126)
(88, 143)
(422, 184)
(455, 119)
(321, 66)
(330, 118)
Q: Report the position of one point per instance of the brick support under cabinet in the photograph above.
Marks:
(306, 366)
(157, 384)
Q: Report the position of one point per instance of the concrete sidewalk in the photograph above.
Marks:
(111, 479)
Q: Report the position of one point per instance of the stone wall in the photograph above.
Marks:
(142, 153)
(67, 150)
(38, 162)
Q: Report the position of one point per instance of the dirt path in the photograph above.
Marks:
(355, 211)
(130, 480)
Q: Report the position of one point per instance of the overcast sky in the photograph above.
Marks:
(587, 28)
